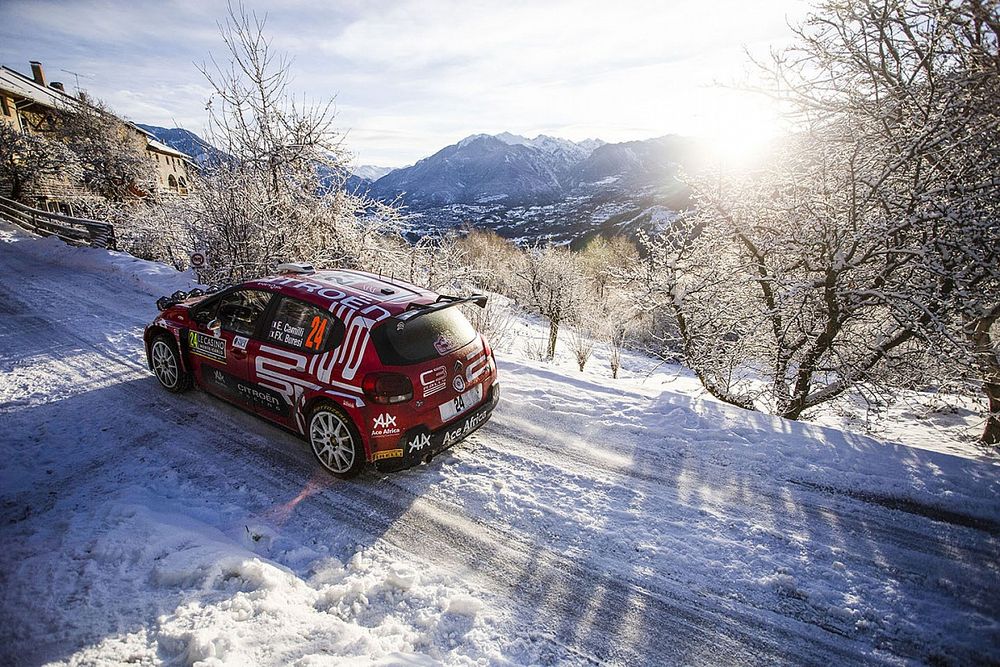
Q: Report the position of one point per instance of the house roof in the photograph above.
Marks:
(161, 147)
(24, 87)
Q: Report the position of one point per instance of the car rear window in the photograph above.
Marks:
(425, 337)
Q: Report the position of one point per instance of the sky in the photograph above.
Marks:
(411, 76)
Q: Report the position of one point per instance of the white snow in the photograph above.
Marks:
(371, 172)
(624, 522)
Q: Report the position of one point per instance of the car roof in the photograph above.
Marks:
(344, 290)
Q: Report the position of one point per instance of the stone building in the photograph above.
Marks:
(32, 104)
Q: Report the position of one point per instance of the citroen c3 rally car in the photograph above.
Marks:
(366, 369)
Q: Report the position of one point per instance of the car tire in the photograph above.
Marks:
(165, 361)
(335, 442)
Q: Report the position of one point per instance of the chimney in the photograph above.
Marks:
(37, 73)
(58, 86)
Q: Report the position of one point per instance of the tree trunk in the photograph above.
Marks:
(553, 334)
(991, 433)
(988, 361)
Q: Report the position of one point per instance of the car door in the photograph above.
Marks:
(284, 357)
(219, 349)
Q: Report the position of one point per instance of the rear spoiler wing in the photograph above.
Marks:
(415, 310)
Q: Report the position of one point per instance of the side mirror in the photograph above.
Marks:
(215, 326)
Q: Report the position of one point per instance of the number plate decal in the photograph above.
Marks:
(461, 403)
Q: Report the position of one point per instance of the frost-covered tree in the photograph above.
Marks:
(914, 88)
(112, 155)
(493, 262)
(551, 284)
(278, 194)
(609, 269)
(868, 236)
(26, 159)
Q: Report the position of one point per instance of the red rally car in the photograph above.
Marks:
(365, 368)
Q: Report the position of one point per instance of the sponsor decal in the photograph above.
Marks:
(443, 344)
(360, 301)
(385, 421)
(388, 454)
(420, 441)
(207, 346)
(385, 426)
(237, 389)
(240, 342)
(434, 380)
(458, 382)
(470, 425)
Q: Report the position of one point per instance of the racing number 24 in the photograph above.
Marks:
(316, 331)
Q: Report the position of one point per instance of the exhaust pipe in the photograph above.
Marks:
(427, 459)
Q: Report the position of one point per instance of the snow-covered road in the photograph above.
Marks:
(590, 521)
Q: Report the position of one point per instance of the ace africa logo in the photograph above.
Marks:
(385, 425)
(420, 441)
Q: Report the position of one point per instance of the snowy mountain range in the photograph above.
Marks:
(544, 188)
(516, 170)
(528, 189)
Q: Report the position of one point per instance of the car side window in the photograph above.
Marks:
(240, 311)
(305, 327)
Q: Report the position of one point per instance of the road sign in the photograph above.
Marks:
(197, 260)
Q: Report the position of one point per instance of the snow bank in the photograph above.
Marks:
(213, 600)
(149, 278)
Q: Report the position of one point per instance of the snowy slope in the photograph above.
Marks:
(591, 520)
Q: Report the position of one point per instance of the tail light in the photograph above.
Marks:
(490, 361)
(387, 388)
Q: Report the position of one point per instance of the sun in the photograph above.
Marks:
(740, 127)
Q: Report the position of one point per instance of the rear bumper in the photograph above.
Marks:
(418, 444)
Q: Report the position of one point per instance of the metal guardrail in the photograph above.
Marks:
(80, 231)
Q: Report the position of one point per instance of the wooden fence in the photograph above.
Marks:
(79, 231)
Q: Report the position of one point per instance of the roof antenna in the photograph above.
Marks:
(77, 75)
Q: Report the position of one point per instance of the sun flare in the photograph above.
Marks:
(741, 127)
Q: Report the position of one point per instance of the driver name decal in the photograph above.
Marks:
(207, 346)
(289, 334)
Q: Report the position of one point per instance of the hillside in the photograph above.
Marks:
(544, 188)
(591, 521)
(185, 141)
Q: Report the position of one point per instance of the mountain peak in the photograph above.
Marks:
(565, 148)
(511, 139)
(370, 172)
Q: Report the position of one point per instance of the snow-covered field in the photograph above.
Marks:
(622, 522)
